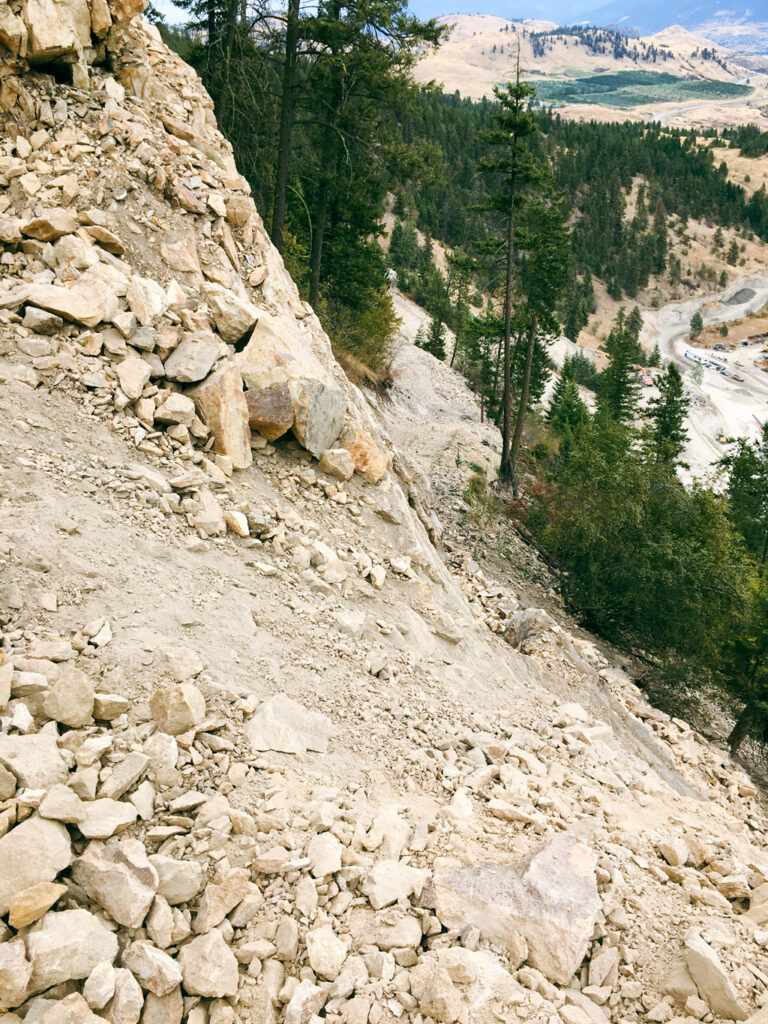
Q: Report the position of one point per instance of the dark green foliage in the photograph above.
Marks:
(697, 325)
(645, 560)
(581, 368)
(617, 395)
(666, 433)
(747, 468)
(732, 256)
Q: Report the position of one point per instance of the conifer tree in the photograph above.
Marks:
(666, 435)
(697, 325)
(617, 396)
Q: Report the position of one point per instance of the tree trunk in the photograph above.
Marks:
(506, 467)
(318, 237)
(740, 729)
(515, 447)
(227, 42)
(287, 109)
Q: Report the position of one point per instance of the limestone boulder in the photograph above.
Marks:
(193, 358)
(147, 300)
(34, 851)
(119, 878)
(337, 462)
(56, 28)
(66, 946)
(270, 410)
(220, 898)
(208, 966)
(543, 908)
(179, 881)
(233, 316)
(222, 405)
(326, 952)
(13, 35)
(712, 980)
(70, 699)
(390, 880)
(283, 725)
(34, 760)
(153, 968)
(71, 304)
(124, 10)
(277, 354)
(50, 225)
(15, 972)
(178, 708)
(30, 904)
(370, 461)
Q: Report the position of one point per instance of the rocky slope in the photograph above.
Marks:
(266, 752)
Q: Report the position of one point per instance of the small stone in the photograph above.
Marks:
(390, 880)
(337, 462)
(711, 979)
(305, 1003)
(15, 972)
(105, 818)
(324, 853)
(284, 725)
(179, 881)
(120, 878)
(128, 1000)
(133, 373)
(62, 804)
(220, 898)
(109, 706)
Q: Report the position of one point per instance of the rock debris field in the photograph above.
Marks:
(271, 750)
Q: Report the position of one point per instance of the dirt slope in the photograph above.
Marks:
(251, 720)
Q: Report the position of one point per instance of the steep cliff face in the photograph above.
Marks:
(264, 755)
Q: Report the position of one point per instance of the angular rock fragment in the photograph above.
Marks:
(208, 966)
(542, 909)
(284, 725)
(34, 851)
(222, 405)
(711, 979)
(119, 878)
(193, 358)
(55, 957)
(30, 904)
(34, 760)
(153, 968)
(234, 317)
(15, 972)
(177, 709)
(270, 410)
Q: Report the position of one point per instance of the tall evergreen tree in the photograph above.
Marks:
(512, 170)
(617, 396)
(666, 434)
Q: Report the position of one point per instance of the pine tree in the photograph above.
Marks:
(666, 435)
(617, 396)
(513, 171)
(697, 325)
(732, 256)
(435, 341)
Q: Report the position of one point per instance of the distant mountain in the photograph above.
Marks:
(647, 16)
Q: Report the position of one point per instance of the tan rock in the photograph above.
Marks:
(193, 358)
(50, 225)
(390, 880)
(34, 851)
(107, 239)
(34, 760)
(270, 410)
(210, 518)
(284, 725)
(179, 880)
(711, 979)
(147, 300)
(101, 19)
(233, 316)
(178, 708)
(70, 699)
(30, 904)
(326, 952)
(69, 303)
(182, 255)
(100, 985)
(54, 955)
(72, 1009)
(128, 1001)
(13, 35)
(221, 403)
(105, 818)
(56, 29)
(209, 966)
(133, 373)
(15, 972)
(370, 461)
(119, 878)
(305, 1003)
(337, 462)
(124, 10)
(153, 968)
(167, 1009)
(542, 908)
(239, 210)
(220, 898)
